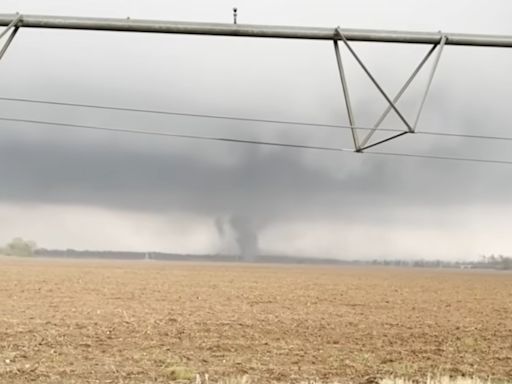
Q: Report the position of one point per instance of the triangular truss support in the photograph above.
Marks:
(362, 144)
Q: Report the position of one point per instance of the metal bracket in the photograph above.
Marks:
(362, 145)
(13, 24)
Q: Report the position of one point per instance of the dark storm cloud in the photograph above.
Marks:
(249, 77)
(266, 184)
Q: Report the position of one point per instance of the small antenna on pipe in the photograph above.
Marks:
(235, 10)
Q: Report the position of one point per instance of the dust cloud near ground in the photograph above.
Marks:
(152, 322)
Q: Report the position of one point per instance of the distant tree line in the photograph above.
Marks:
(496, 262)
(126, 255)
(19, 247)
(499, 262)
(27, 248)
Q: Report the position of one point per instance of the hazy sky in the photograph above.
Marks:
(65, 187)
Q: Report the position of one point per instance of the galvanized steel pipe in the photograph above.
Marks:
(247, 30)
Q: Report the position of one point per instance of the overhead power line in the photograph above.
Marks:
(247, 119)
(168, 134)
(256, 142)
(184, 114)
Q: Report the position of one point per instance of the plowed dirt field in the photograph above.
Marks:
(152, 322)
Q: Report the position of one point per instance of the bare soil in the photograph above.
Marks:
(141, 322)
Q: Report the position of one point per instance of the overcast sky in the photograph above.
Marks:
(70, 188)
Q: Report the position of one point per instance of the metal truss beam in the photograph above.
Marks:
(359, 146)
(374, 81)
(398, 95)
(16, 21)
(248, 30)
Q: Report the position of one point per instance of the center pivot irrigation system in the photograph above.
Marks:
(437, 41)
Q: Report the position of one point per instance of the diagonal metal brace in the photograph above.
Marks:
(431, 77)
(403, 89)
(13, 23)
(8, 42)
(385, 140)
(374, 81)
(346, 96)
(398, 95)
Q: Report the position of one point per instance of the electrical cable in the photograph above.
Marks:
(246, 141)
(248, 119)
